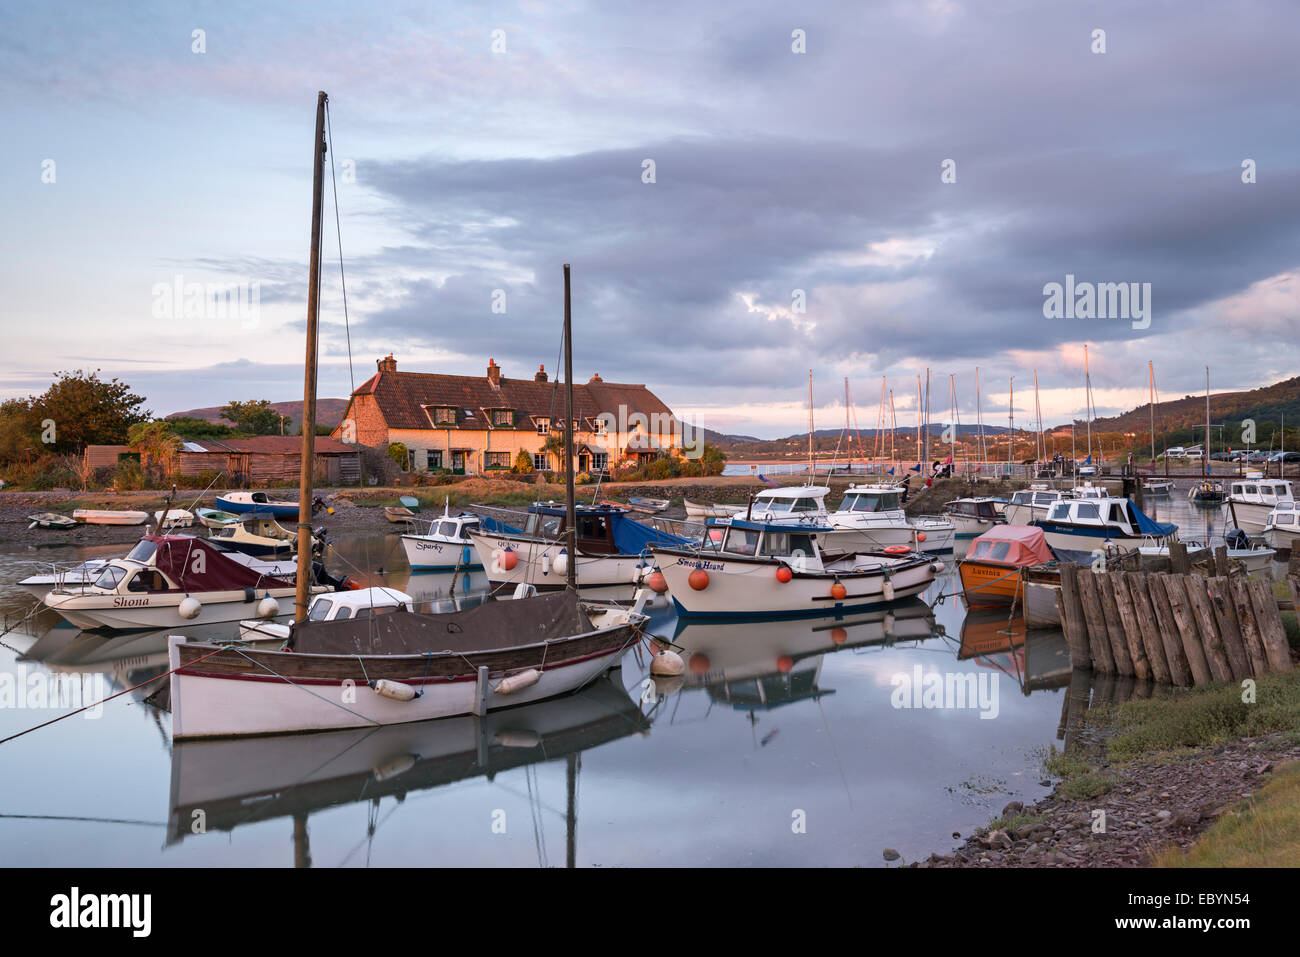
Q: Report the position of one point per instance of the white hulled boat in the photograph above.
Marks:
(1252, 501)
(973, 516)
(445, 545)
(876, 513)
(1031, 504)
(1092, 524)
(1283, 527)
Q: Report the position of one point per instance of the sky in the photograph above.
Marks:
(745, 191)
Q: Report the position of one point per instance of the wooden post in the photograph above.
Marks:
(1221, 566)
(1178, 562)
(1073, 622)
(1179, 670)
(1118, 594)
(1271, 629)
(481, 691)
(1211, 641)
(1110, 615)
(1225, 616)
(1250, 635)
(1148, 628)
(1103, 657)
(1193, 643)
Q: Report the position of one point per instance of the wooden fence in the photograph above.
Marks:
(1174, 628)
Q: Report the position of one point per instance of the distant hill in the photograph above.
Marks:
(1267, 406)
(328, 412)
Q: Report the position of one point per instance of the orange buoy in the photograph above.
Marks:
(784, 664)
(897, 550)
(509, 559)
(783, 574)
(699, 579)
(920, 536)
(658, 584)
(839, 636)
(699, 663)
(838, 591)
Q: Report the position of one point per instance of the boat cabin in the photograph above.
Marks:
(977, 508)
(601, 529)
(174, 563)
(871, 498)
(1037, 495)
(1286, 516)
(793, 503)
(765, 540)
(1271, 492)
(455, 528)
(357, 603)
(1088, 490)
(1011, 545)
(1117, 513)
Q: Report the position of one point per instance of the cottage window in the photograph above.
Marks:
(435, 459)
(503, 417)
(444, 416)
(539, 461)
(543, 425)
(600, 461)
(496, 460)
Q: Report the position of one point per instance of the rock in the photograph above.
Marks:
(1013, 808)
(1163, 816)
(891, 855)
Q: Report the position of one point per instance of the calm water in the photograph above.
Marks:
(781, 745)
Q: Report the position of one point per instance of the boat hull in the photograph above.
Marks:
(750, 589)
(989, 583)
(534, 565)
(161, 610)
(1250, 517)
(274, 509)
(91, 516)
(1089, 538)
(433, 555)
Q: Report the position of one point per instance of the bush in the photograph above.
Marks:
(523, 463)
(397, 452)
(128, 475)
(583, 478)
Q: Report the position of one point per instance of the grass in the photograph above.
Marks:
(1080, 780)
(1282, 590)
(1206, 716)
(1261, 831)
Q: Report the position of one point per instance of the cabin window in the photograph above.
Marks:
(447, 529)
(550, 526)
(742, 541)
(773, 505)
(1117, 513)
(496, 460)
(787, 544)
(1022, 498)
(142, 552)
(1088, 510)
(805, 505)
(110, 577)
(1061, 512)
(591, 526)
(1250, 489)
(503, 417)
(444, 416)
(999, 550)
(320, 609)
(147, 580)
(1044, 498)
(343, 612)
(1266, 490)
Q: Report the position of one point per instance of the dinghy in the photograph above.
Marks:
(106, 516)
(175, 518)
(256, 503)
(398, 667)
(398, 514)
(649, 506)
(215, 517)
(51, 520)
(991, 570)
(697, 511)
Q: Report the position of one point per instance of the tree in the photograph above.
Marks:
(397, 452)
(80, 409)
(712, 459)
(254, 416)
(523, 463)
(157, 445)
(191, 428)
(19, 430)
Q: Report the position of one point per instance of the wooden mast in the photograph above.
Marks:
(1151, 386)
(309, 379)
(1207, 420)
(1087, 397)
(570, 516)
(812, 471)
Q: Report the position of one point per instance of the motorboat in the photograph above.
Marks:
(174, 581)
(109, 516)
(262, 536)
(1102, 523)
(1251, 501)
(1283, 527)
(764, 569)
(334, 606)
(1207, 494)
(872, 517)
(797, 504)
(611, 546)
(446, 545)
(399, 667)
(1157, 486)
(1033, 503)
(972, 516)
(256, 503)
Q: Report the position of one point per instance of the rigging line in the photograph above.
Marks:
(338, 232)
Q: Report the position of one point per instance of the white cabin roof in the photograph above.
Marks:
(796, 491)
(367, 598)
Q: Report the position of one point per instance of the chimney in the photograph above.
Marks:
(387, 365)
(596, 378)
(541, 374)
(494, 373)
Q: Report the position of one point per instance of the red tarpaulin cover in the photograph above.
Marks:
(195, 565)
(1011, 545)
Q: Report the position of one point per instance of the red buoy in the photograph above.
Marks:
(658, 584)
(509, 559)
(920, 536)
(784, 664)
(839, 636)
(699, 579)
(838, 591)
(783, 574)
(699, 663)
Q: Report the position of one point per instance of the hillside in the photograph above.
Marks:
(328, 412)
(1267, 406)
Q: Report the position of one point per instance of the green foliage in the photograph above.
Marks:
(128, 476)
(523, 463)
(192, 428)
(397, 452)
(77, 410)
(583, 478)
(255, 416)
(712, 459)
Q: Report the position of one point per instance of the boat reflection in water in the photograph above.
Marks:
(759, 665)
(1035, 660)
(231, 782)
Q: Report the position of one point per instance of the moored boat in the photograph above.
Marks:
(1282, 530)
(1101, 523)
(871, 517)
(446, 545)
(698, 511)
(1251, 501)
(1207, 494)
(768, 569)
(262, 536)
(108, 516)
(256, 503)
(398, 514)
(334, 606)
(649, 506)
(215, 517)
(991, 570)
(170, 518)
(1031, 504)
(972, 516)
(51, 520)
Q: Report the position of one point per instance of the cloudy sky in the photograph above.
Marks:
(799, 215)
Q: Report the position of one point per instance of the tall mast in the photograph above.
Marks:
(811, 469)
(920, 456)
(1011, 420)
(1040, 447)
(979, 416)
(893, 423)
(1207, 420)
(1087, 396)
(303, 594)
(570, 516)
(1151, 385)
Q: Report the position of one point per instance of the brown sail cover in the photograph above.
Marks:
(196, 566)
(495, 624)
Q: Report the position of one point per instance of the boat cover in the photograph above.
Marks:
(631, 537)
(1018, 545)
(197, 566)
(506, 623)
(1146, 525)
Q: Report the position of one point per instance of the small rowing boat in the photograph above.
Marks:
(50, 520)
(175, 518)
(702, 510)
(649, 506)
(398, 514)
(215, 517)
(105, 516)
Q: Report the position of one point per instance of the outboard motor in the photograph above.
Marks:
(1236, 538)
(321, 576)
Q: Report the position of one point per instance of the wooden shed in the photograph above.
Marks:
(270, 459)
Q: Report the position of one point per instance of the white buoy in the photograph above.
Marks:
(394, 689)
(525, 679)
(546, 563)
(888, 590)
(189, 607)
(561, 563)
(667, 663)
(268, 607)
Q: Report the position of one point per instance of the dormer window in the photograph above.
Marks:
(543, 424)
(503, 417)
(444, 416)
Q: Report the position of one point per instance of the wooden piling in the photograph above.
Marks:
(1250, 635)
(1123, 599)
(1148, 628)
(1221, 567)
(1179, 670)
(1072, 620)
(1127, 665)
(1103, 657)
(1271, 629)
(1225, 617)
(1178, 562)
(1188, 632)
(1211, 640)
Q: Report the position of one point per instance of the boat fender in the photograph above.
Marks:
(509, 559)
(518, 682)
(698, 579)
(546, 563)
(189, 607)
(517, 738)
(667, 663)
(561, 563)
(250, 595)
(658, 584)
(889, 623)
(397, 690)
(887, 590)
(937, 567)
(268, 607)
(784, 574)
(394, 767)
(838, 591)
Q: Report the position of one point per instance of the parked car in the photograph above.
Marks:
(1286, 458)
(1258, 456)
(1222, 457)
(1177, 452)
